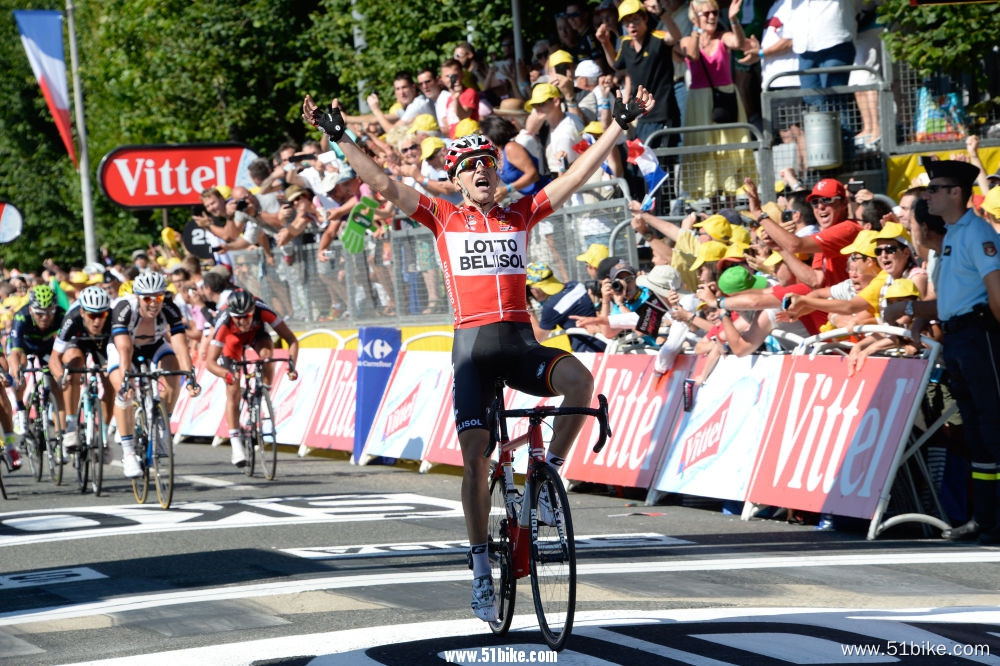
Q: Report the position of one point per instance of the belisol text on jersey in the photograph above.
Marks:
(480, 253)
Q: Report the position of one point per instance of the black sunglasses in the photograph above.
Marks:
(887, 249)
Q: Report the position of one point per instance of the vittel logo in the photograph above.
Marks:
(399, 418)
(705, 442)
(154, 176)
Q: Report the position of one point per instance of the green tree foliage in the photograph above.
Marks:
(177, 71)
(940, 39)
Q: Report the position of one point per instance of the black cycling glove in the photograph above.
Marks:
(625, 113)
(330, 121)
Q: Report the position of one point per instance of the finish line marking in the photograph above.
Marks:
(143, 601)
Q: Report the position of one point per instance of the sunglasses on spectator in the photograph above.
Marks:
(473, 163)
(934, 187)
(409, 149)
(572, 14)
(826, 201)
(887, 249)
(857, 256)
(425, 83)
(152, 298)
(95, 315)
(43, 312)
(709, 12)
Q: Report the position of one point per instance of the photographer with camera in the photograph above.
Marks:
(560, 303)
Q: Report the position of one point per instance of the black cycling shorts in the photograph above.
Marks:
(505, 350)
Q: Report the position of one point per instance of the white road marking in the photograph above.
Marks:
(218, 483)
(49, 525)
(49, 577)
(346, 648)
(135, 602)
(642, 540)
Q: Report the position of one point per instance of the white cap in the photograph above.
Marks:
(588, 69)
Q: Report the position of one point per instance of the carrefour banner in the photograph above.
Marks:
(832, 440)
(377, 350)
(713, 450)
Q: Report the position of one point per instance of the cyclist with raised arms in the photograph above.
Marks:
(144, 324)
(483, 254)
(86, 329)
(34, 332)
(242, 324)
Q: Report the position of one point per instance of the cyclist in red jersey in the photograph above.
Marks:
(483, 254)
(239, 325)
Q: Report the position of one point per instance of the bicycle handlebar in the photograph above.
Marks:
(545, 411)
(262, 361)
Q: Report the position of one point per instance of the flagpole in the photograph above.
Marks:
(89, 237)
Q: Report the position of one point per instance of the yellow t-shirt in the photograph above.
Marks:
(684, 254)
(872, 291)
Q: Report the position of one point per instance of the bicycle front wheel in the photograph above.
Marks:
(162, 449)
(81, 457)
(266, 436)
(553, 557)
(501, 556)
(34, 446)
(53, 450)
(95, 449)
(140, 484)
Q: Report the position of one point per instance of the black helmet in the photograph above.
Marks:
(241, 302)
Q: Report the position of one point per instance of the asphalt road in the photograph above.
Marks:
(337, 564)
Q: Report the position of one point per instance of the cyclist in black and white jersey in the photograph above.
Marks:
(86, 329)
(145, 325)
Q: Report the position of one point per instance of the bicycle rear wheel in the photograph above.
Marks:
(266, 437)
(553, 558)
(501, 557)
(162, 448)
(140, 484)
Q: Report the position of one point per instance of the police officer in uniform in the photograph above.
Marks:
(968, 306)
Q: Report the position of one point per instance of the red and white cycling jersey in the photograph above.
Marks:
(484, 259)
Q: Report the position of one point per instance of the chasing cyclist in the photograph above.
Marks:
(241, 324)
(34, 332)
(483, 251)
(145, 325)
(8, 447)
(86, 329)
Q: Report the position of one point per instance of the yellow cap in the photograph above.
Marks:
(543, 92)
(773, 260)
(465, 127)
(709, 251)
(863, 243)
(594, 255)
(740, 235)
(894, 231)
(901, 288)
(629, 7)
(224, 190)
(717, 227)
(429, 145)
(991, 202)
(560, 57)
(425, 122)
(594, 127)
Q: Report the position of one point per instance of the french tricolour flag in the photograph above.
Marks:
(42, 36)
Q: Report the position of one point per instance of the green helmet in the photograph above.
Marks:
(42, 297)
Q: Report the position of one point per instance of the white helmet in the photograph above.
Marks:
(149, 283)
(95, 299)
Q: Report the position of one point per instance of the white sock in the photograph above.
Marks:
(480, 559)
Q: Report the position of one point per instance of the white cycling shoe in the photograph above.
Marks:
(238, 458)
(484, 599)
(130, 463)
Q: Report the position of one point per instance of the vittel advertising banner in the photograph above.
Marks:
(642, 408)
(332, 424)
(715, 445)
(831, 440)
(160, 176)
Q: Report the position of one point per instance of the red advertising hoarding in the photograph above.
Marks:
(164, 176)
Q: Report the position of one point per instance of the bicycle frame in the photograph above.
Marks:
(91, 432)
(534, 532)
(517, 510)
(40, 400)
(255, 408)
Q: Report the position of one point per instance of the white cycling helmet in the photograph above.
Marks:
(149, 283)
(95, 299)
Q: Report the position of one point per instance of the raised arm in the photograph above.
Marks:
(560, 189)
(332, 123)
